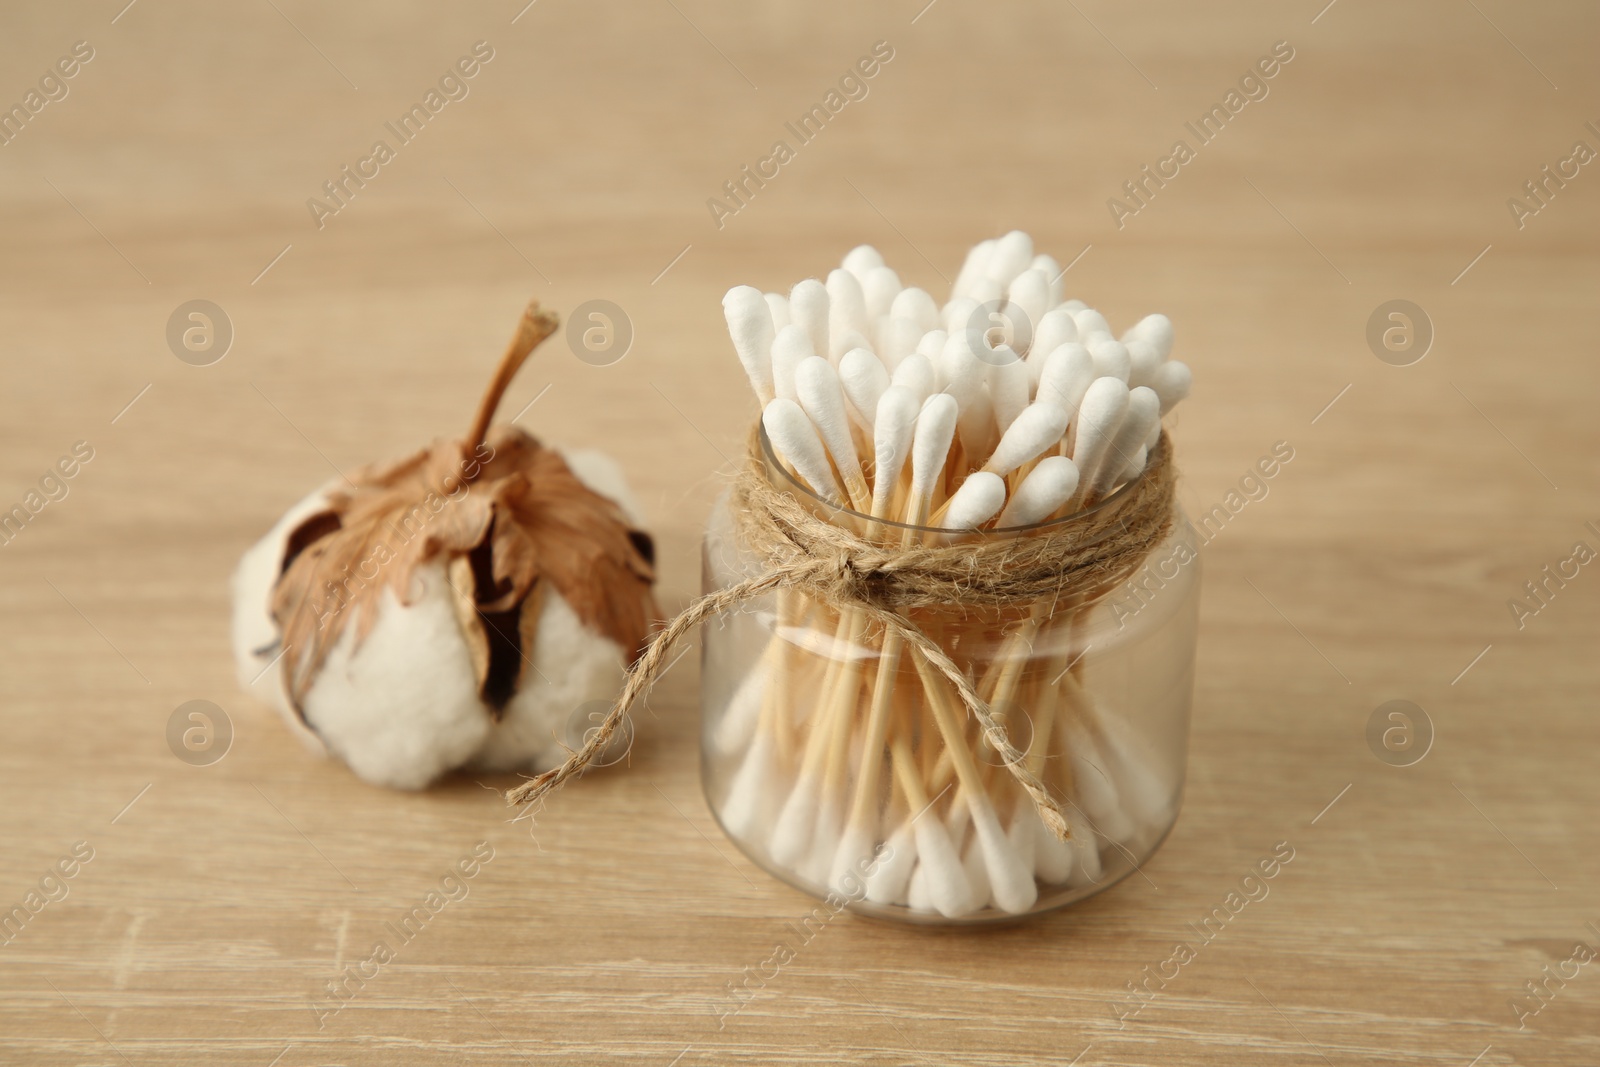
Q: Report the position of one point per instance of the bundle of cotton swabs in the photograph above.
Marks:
(924, 425)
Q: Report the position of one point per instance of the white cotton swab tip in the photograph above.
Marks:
(808, 307)
(847, 305)
(1155, 329)
(1143, 359)
(936, 428)
(1171, 381)
(1045, 490)
(738, 723)
(1011, 256)
(790, 347)
(750, 327)
(840, 343)
(946, 883)
(792, 834)
(1034, 431)
(817, 385)
(978, 500)
(1089, 320)
(861, 260)
(1009, 385)
(1066, 376)
(1111, 359)
(1099, 415)
(880, 286)
(957, 315)
(1053, 272)
(748, 811)
(796, 442)
(1143, 415)
(917, 305)
(975, 266)
(915, 374)
(1011, 884)
(864, 380)
(895, 423)
(887, 883)
(1028, 296)
(778, 305)
(959, 367)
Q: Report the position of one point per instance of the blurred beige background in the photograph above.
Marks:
(221, 899)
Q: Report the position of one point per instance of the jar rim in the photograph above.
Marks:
(794, 484)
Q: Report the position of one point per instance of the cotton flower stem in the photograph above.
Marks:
(534, 327)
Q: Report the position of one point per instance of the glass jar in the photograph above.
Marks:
(845, 766)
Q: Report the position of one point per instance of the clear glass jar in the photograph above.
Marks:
(842, 765)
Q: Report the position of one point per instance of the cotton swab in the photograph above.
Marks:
(778, 305)
(847, 308)
(864, 380)
(750, 327)
(1034, 431)
(1089, 321)
(895, 423)
(845, 342)
(915, 374)
(790, 348)
(887, 882)
(1011, 256)
(880, 286)
(944, 880)
(978, 500)
(1029, 294)
(1009, 382)
(1143, 359)
(1111, 359)
(957, 315)
(796, 442)
(917, 305)
(975, 266)
(1099, 415)
(932, 344)
(930, 444)
(1143, 414)
(808, 307)
(1171, 381)
(1096, 791)
(897, 339)
(1011, 885)
(1053, 272)
(899, 418)
(862, 260)
(1045, 491)
(1155, 330)
(1066, 376)
(817, 384)
(1054, 329)
(738, 722)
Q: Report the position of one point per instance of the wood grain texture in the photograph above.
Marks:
(218, 905)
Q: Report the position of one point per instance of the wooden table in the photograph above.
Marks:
(220, 899)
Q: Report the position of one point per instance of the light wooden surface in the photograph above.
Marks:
(1380, 565)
